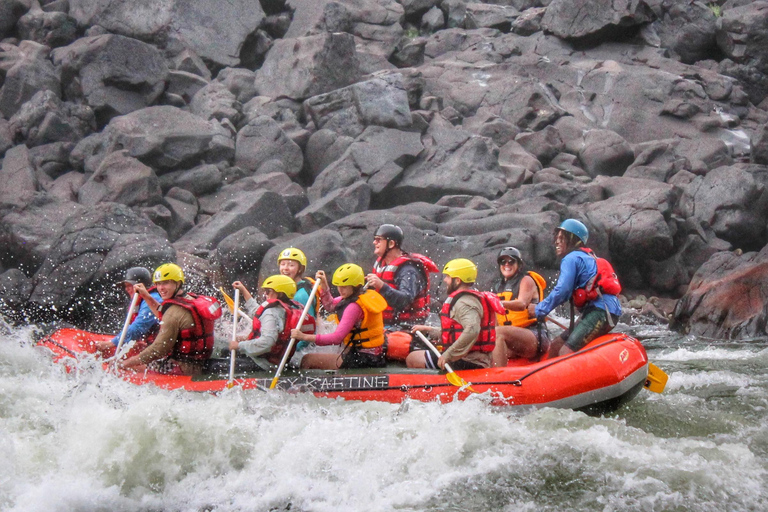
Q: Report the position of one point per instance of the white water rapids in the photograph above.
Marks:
(88, 441)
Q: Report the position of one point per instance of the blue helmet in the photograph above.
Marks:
(575, 227)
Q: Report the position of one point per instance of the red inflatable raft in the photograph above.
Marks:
(608, 372)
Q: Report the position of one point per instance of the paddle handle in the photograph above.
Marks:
(433, 349)
(560, 325)
(134, 302)
(233, 353)
(288, 350)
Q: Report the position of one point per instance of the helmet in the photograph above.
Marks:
(168, 272)
(294, 254)
(280, 284)
(461, 268)
(510, 252)
(390, 232)
(138, 275)
(349, 274)
(575, 227)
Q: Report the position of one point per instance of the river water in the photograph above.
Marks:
(88, 441)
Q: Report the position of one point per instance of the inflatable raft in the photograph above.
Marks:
(599, 378)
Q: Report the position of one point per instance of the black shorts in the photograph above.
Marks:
(431, 360)
(359, 359)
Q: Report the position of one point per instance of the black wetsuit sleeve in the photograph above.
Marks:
(409, 281)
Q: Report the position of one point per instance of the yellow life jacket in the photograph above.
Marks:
(370, 332)
(510, 290)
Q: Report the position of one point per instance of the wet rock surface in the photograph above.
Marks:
(215, 136)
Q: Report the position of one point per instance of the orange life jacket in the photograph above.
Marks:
(419, 308)
(510, 290)
(370, 331)
(452, 329)
(196, 342)
(293, 312)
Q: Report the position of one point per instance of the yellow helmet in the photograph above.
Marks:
(168, 272)
(294, 254)
(461, 268)
(349, 274)
(280, 283)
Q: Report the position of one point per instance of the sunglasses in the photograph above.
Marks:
(378, 239)
(507, 263)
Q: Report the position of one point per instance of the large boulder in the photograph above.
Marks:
(90, 253)
(575, 19)
(52, 28)
(45, 119)
(687, 29)
(264, 210)
(334, 206)
(213, 30)
(455, 163)
(17, 174)
(605, 152)
(113, 74)
(733, 201)
(121, 179)
(27, 71)
(240, 255)
(10, 13)
(164, 138)
(262, 147)
(27, 233)
(377, 157)
(727, 297)
(307, 66)
(759, 145)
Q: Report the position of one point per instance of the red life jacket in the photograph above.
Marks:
(292, 316)
(419, 308)
(195, 343)
(150, 336)
(452, 329)
(605, 281)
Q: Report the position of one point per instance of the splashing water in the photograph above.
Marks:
(89, 441)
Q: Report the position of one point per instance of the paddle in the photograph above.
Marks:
(656, 380)
(293, 340)
(233, 353)
(134, 301)
(452, 377)
(231, 305)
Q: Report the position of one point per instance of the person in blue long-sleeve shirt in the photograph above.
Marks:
(144, 323)
(598, 316)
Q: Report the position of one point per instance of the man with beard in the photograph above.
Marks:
(467, 323)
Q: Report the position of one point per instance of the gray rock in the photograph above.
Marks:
(45, 119)
(199, 181)
(51, 160)
(67, 185)
(456, 163)
(90, 253)
(27, 71)
(307, 66)
(121, 179)
(324, 147)
(688, 30)
(574, 19)
(490, 16)
(52, 29)
(415, 6)
(20, 182)
(544, 144)
(334, 206)
(6, 136)
(513, 154)
(529, 21)
(15, 288)
(215, 101)
(28, 232)
(657, 160)
(184, 84)
(409, 52)
(10, 13)
(188, 61)
(164, 138)
(262, 142)
(432, 21)
(240, 82)
(183, 213)
(216, 32)
(759, 144)
(113, 74)
(605, 153)
(240, 256)
(377, 157)
(263, 209)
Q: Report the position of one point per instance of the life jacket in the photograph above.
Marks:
(419, 308)
(196, 342)
(306, 284)
(148, 337)
(293, 312)
(509, 290)
(452, 329)
(370, 332)
(605, 281)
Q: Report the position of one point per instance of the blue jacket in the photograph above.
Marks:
(576, 269)
(144, 323)
(302, 297)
